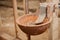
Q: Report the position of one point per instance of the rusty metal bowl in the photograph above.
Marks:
(32, 29)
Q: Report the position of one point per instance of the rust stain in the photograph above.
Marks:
(28, 19)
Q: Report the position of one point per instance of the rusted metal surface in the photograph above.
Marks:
(32, 29)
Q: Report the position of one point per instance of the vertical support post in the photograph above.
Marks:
(15, 14)
(50, 33)
(26, 8)
(53, 30)
(50, 29)
(29, 38)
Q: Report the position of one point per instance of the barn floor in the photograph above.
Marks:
(7, 26)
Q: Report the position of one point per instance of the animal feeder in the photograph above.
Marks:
(27, 23)
(33, 29)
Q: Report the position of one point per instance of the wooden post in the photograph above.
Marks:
(50, 29)
(28, 37)
(15, 14)
(26, 6)
(53, 30)
(15, 17)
